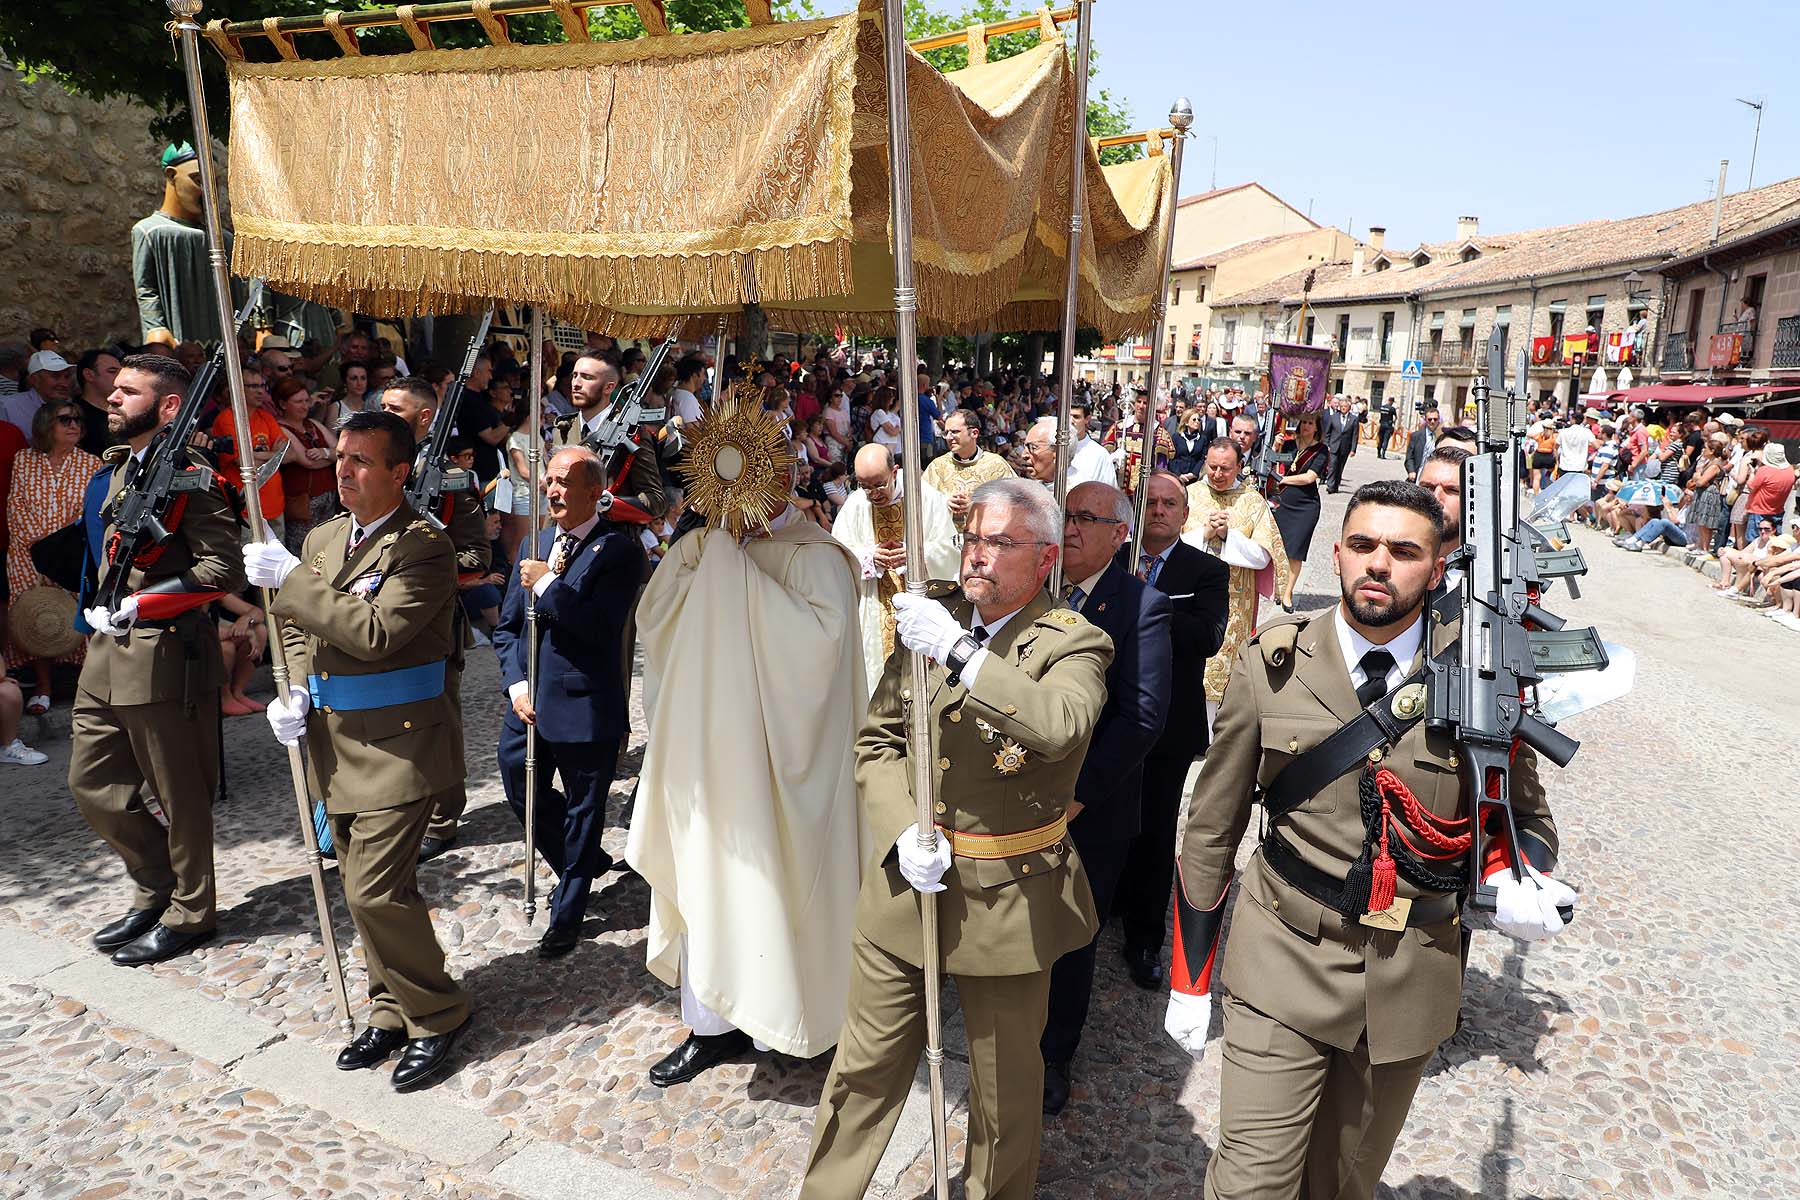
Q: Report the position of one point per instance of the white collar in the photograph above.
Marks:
(1163, 556)
(359, 531)
(582, 530)
(776, 523)
(1404, 646)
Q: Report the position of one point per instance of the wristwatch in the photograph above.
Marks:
(959, 656)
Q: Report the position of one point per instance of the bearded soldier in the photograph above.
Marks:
(1343, 972)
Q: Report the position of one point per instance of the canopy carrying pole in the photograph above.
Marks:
(1181, 118)
(918, 727)
(184, 12)
(534, 354)
(1065, 355)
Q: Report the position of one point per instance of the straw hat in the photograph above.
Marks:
(1775, 455)
(42, 622)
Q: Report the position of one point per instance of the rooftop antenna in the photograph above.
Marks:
(1750, 180)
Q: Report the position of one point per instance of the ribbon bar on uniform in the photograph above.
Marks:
(348, 693)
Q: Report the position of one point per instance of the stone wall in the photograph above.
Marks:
(75, 175)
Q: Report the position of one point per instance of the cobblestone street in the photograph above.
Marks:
(1647, 1052)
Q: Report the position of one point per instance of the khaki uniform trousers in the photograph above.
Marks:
(378, 859)
(448, 805)
(1299, 1117)
(878, 1051)
(114, 751)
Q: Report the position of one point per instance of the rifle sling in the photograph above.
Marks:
(1312, 772)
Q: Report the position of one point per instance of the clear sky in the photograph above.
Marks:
(1519, 112)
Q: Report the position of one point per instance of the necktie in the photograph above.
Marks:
(979, 633)
(1075, 597)
(357, 534)
(559, 557)
(1375, 666)
(1147, 564)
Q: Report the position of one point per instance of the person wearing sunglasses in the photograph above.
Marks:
(49, 479)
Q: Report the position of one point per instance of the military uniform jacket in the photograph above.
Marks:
(385, 607)
(1288, 955)
(1006, 755)
(151, 663)
(466, 524)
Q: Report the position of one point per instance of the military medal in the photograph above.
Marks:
(1009, 757)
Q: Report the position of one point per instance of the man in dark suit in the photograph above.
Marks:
(583, 572)
(1423, 441)
(1104, 816)
(1337, 429)
(1197, 584)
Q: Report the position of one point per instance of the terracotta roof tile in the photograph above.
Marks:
(1580, 246)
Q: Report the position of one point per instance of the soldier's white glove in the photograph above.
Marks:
(112, 622)
(288, 717)
(1186, 1021)
(926, 626)
(922, 868)
(268, 562)
(1526, 908)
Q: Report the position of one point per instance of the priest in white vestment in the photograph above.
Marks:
(872, 526)
(1234, 522)
(746, 826)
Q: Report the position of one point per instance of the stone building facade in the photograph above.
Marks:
(79, 175)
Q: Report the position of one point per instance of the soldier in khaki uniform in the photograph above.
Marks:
(1016, 688)
(1337, 996)
(147, 704)
(637, 499)
(414, 401)
(365, 614)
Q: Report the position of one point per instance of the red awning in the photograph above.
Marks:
(1674, 393)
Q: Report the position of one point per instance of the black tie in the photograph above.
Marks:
(979, 633)
(1375, 666)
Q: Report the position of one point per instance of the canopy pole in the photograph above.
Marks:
(184, 12)
(533, 455)
(917, 711)
(1181, 118)
(1065, 355)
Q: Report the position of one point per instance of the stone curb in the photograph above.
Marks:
(259, 1055)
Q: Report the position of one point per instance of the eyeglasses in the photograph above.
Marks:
(1089, 520)
(999, 545)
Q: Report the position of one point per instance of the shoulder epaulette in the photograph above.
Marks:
(1064, 618)
(942, 589)
(1276, 639)
(114, 456)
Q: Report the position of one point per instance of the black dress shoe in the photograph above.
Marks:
(558, 940)
(158, 944)
(372, 1046)
(1056, 1088)
(1145, 969)
(696, 1054)
(424, 1059)
(128, 928)
(431, 847)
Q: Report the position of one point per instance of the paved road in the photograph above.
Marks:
(1648, 1052)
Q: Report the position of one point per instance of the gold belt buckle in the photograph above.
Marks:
(1392, 918)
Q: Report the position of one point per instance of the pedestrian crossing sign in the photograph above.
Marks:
(1412, 368)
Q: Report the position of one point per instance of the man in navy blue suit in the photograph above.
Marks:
(1197, 585)
(1106, 809)
(584, 572)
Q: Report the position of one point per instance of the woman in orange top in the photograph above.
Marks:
(49, 479)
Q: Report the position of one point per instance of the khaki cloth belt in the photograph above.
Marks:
(1006, 845)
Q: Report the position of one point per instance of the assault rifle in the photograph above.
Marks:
(1269, 459)
(615, 439)
(1480, 691)
(154, 483)
(426, 486)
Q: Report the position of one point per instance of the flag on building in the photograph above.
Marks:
(1541, 350)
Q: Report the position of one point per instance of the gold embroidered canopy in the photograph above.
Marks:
(617, 184)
